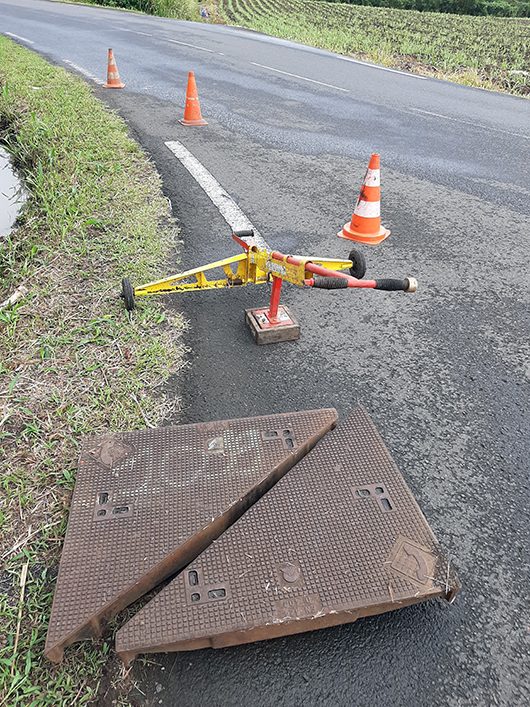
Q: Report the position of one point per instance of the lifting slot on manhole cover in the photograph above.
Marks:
(376, 492)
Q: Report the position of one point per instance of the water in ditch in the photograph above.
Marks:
(12, 194)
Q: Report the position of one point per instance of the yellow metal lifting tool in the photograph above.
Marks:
(258, 264)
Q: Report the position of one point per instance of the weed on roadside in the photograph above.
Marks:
(178, 9)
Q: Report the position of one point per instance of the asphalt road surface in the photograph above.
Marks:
(443, 372)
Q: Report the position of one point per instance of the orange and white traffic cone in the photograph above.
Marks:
(192, 112)
(365, 226)
(113, 78)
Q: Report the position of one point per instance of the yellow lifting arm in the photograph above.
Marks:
(196, 279)
(259, 264)
(253, 266)
(330, 264)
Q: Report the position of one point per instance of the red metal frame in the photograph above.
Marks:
(272, 314)
(325, 272)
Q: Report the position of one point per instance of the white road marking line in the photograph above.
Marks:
(84, 72)
(470, 122)
(384, 68)
(174, 41)
(228, 208)
(134, 31)
(320, 83)
(194, 46)
(23, 39)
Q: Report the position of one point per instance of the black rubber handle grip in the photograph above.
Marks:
(330, 283)
(244, 234)
(391, 285)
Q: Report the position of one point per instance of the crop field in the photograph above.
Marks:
(487, 52)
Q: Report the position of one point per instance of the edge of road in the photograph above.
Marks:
(71, 362)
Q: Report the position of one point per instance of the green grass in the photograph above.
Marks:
(478, 51)
(71, 362)
(177, 9)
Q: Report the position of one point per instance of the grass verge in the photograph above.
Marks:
(70, 361)
(177, 9)
(484, 52)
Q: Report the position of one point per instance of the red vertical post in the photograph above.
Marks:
(275, 298)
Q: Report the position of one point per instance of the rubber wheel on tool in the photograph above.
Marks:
(127, 293)
(359, 264)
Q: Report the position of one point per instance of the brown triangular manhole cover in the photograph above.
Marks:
(339, 537)
(148, 502)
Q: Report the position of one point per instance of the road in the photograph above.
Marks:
(443, 372)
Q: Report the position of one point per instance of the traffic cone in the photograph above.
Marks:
(365, 226)
(192, 112)
(113, 78)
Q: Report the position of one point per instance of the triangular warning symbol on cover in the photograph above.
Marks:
(338, 538)
(146, 503)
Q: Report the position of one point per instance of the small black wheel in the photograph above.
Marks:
(359, 264)
(127, 293)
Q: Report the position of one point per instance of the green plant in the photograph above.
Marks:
(179, 9)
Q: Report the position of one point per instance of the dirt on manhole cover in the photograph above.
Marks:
(339, 537)
(148, 502)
